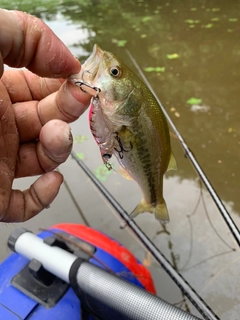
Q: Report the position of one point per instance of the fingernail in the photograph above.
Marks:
(82, 97)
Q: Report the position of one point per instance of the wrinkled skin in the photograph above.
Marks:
(35, 109)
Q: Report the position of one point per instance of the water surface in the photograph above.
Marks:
(190, 53)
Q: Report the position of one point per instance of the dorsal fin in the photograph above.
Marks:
(172, 165)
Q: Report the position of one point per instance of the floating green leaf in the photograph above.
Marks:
(80, 155)
(229, 30)
(154, 69)
(192, 26)
(189, 21)
(172, 56)
(175, 11)
(194, 100)
(159, 69)
(149, 69)
(208, 26)
(121, 43)
(102, 172)
(146, 19)
(233, 19)
(215, 9)
(215, 19)
(193, 9)
(80, 139)
(143, 36)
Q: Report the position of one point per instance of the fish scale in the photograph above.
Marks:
(127, 122)
(148, 168)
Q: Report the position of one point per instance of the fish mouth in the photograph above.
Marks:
(91, 65)
(89, 70)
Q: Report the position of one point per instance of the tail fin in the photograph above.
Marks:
(160, 210)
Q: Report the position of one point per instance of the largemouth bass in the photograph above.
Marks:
(126, 121)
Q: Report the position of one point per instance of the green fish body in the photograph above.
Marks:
(127, 121)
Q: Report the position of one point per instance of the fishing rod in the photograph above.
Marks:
(101, 293)
(222, 209)
(184, 286)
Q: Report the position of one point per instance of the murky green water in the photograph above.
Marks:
(195, 45)
(190, 53)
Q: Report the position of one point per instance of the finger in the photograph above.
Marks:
(26, 86)
(1, 65)
(26, 41)
(67, 104)
(52, 149)
(25, 205)
(8, 148)
(23, 85)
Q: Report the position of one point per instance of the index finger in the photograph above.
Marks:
(26, 41)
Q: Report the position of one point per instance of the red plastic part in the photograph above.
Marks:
(111, 246)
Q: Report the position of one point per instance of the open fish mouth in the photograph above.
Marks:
(89, 70)
(91, 65)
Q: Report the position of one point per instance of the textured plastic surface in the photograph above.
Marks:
(16, 305)
(117, 299)
(6, 314)
(22, 306)
(43, 287)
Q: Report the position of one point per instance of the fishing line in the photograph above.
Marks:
(210, 221)
(191, 232)
(201, 198)
(205, 260)
(222, 209)
(186, 288)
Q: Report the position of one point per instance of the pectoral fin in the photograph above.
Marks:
(172, 165)
(125, 173)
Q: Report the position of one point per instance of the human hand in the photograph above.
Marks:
(34, 135)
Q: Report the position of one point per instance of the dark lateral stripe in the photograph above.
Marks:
(145, 158)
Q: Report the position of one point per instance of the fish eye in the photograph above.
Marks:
(115, 71)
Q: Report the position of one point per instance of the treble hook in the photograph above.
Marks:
(122, 149)
(81, 83)
(85, 83)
